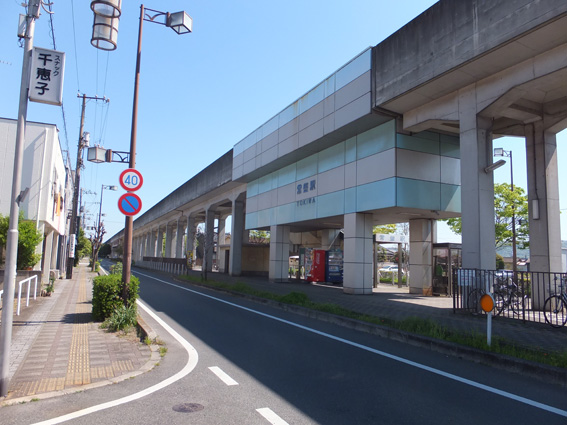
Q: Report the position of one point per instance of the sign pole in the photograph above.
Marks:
(12, 240)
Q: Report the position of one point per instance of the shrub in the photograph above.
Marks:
(107, 291)
(116, 269)
(122, 318)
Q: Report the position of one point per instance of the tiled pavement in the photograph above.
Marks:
(56, 346)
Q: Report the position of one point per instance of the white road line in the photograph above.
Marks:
(191, 364)
(223, 376)
(439, 372)
(271, 416)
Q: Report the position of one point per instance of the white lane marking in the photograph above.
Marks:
(447, 375)
(223, 376)
(191, 364)
(271, 417)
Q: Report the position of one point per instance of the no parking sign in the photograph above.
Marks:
(129, 204)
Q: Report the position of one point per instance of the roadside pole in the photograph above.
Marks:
(16, 198)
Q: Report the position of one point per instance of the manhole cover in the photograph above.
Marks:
(188, 407)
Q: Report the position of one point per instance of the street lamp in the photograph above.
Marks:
(98, 230)
(502, 152)
(181, 23)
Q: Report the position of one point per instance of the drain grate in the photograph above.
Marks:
(188, 407)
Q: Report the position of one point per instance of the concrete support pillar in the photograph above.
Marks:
(46, 257)
(168, 240)
(159, 247)
(357, 278)
(190, 242)
(180, 231)
(209, 240)
(279, 254)
(543, 199)
(221, 241)
(477, 187)
(236, 239)
(422, 237)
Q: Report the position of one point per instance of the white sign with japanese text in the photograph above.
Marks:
(46, 76)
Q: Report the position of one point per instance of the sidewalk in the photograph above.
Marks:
(56, 347)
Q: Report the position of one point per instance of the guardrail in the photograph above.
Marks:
(20, 284)
(519, 295)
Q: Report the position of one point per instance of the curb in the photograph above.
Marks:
(541, 372)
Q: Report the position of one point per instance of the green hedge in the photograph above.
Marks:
(106, 295)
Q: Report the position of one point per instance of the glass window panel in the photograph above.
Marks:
(332, 157)
(418, 144)
(307, 167)
(289, 113)
(353, 69)
(350, 150)
(252, 189)
(312, 98)
(330, 85)
(331, 204)
(286, 175)
(377, 139)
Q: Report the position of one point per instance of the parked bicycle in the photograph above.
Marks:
(508, 296)
(555, 307)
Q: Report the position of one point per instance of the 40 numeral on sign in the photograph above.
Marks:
(131, 179)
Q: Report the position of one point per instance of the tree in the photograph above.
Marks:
(83, 248)
(507, 204)
(96, 242)
(105, 250)
(259, 236)
(385, 229)
(28, 240)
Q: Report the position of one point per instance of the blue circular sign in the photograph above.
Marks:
(129, 204)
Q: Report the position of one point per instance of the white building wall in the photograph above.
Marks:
(43, 172)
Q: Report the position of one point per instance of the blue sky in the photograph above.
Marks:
(203, 92)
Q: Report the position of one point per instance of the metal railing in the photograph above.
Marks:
(519, 295)
(19, 298)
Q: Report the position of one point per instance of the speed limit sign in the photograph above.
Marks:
(131, 179)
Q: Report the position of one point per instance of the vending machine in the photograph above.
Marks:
(334, 266)
(318, 266)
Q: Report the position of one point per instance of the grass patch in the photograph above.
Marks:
(415, 325)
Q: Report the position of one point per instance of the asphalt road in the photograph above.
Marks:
(247, 363)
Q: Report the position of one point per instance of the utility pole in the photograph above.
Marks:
(16, 198)
(74, 225)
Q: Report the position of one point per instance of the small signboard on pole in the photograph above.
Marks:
(46, 76)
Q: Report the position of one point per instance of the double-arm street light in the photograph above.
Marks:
(502, 152)
(105, 32)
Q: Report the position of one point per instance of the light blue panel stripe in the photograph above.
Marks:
(380, 194)
(350, 200)
(350, 150)
(450, 198)
(306, 211)
(418, 144)
(418, 194)
(450, 146)
(285, 213)
(251, 220)
(252, 189)
(354, 69)
(377, 139)
(265, 183)
(265, 217)
(331, 204)
(286, 175)
(306, 167)
(430, 135)
(332, 157)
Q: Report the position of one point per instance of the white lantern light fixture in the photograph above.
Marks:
(105, 25)
(96, 154)
(180, 22)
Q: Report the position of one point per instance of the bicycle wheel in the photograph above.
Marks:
(517, 303)
(499, 303)
(473, 301)
(555, 311)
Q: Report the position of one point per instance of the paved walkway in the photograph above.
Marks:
(57, 347)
